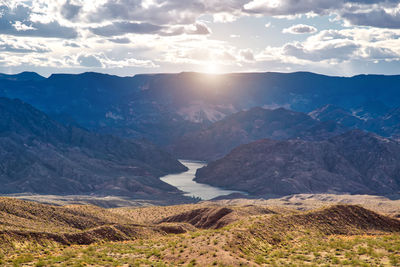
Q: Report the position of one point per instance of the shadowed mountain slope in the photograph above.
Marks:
(247, 126)
(374, 117)
(40, 155)
(355, 162)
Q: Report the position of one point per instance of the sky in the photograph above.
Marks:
(127, 37)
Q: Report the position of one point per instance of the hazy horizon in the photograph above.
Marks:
(195, 72)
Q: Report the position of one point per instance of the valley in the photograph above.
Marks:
(193, 133)
(272, 172)
(77, 156)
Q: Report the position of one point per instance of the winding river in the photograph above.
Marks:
(184, 181)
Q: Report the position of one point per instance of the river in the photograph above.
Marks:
(184, 181)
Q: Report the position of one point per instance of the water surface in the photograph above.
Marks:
(184, 181)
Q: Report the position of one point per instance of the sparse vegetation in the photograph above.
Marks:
(340, 235)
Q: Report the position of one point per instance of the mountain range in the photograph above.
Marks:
(94, 133)
(41, 155)
(163, 107)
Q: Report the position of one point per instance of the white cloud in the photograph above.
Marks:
(13, 45)
(200, 28)
(70, 10)
(247, 55)
(376, 13)
(378, 17)
(121, 28)
(19, 26)
(89, 61)
(300, 29)
(122, 40)
(17, 19)
(334, 50)
(337, 46)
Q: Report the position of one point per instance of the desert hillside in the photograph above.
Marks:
(225, 233)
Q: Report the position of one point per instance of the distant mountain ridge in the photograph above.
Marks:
(23, 76)
(40, 155)
(163, 107)
(355, 162)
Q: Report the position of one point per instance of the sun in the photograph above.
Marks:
(212, 68)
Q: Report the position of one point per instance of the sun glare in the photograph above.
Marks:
(212, 68)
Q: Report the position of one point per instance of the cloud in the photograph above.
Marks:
(182, 35)
(380, 53)
(178, 12)
(22, 27)
(122, 40)
(200, 28)
(377, 18)
(89, 61)
(71, 44)
(16, 21)
(375, 13)
(290, 7)
(69, 10)
(333, 50)
(15, 46)
(300, 29)
(102, 60)
(337, 46)
(247, 55)
(121, 28)
(166, 12)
